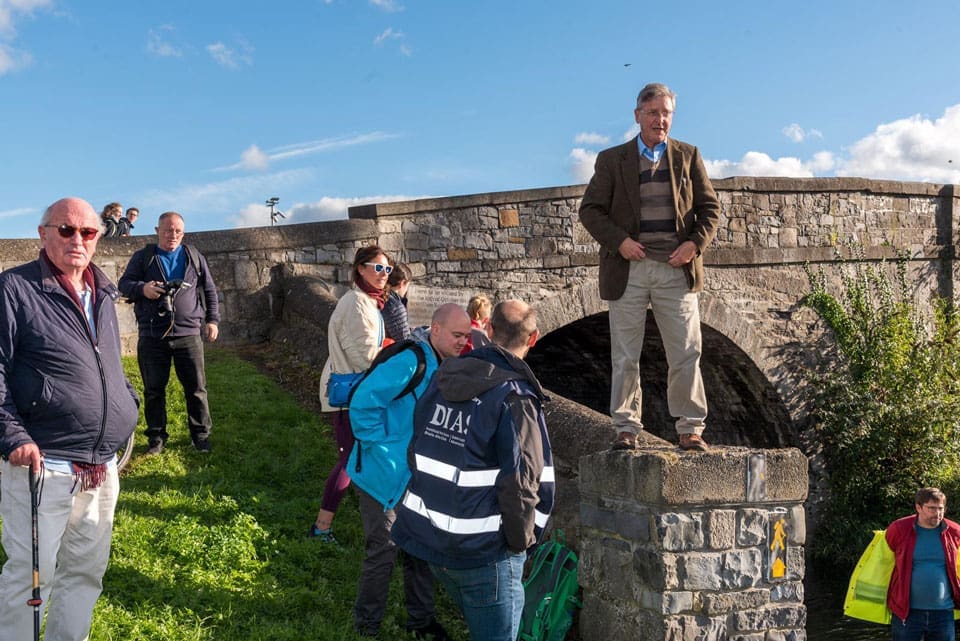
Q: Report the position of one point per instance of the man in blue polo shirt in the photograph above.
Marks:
(924, 589)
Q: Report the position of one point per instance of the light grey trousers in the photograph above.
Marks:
(664, 289)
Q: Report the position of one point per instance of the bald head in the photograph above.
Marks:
(449, 329)
(70, 205)
(513, 326)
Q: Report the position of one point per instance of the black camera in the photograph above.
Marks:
(170, 289)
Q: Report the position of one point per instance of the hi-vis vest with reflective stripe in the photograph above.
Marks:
(450, 514)
(867, 593)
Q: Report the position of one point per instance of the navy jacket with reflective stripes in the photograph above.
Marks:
(482, 482)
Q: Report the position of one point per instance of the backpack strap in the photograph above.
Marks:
(193, 256)
(418, 373)
(149, 253)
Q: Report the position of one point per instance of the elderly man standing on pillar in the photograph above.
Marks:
(65, 409)
(652, 208)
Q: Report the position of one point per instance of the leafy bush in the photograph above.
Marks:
(886, 402)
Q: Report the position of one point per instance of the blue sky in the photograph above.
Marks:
(210, 107)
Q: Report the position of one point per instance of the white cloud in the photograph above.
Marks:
(756, 163)
(11, 10)
(232, 58)
(632, 132)
(159, 45)
(796, 133)
(913, 148)
(822, 162)
(18, 212)
(387, 5)
(11, 58)
(590, 138)
(222, 196)
(389, 34)
(582, 161)
(253, 158)
(327, 208)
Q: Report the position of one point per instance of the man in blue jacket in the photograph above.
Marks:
(382, 420)
(65, 409)
(483, 486)
(175, 302)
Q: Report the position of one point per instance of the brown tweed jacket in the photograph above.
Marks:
(610, 209)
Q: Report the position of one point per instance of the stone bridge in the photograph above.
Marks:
(671, 546)
(529, 244)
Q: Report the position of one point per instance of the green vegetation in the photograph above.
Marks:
(213, 547)
(887, 403)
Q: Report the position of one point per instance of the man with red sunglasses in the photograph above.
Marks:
(65, 409)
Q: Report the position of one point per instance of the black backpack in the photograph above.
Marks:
(389, 352)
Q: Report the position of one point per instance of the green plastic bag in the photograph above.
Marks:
(550, 592)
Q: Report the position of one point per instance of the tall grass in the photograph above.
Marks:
(213, 546)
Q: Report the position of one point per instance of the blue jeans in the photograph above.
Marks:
(929, 625)
(490, 597)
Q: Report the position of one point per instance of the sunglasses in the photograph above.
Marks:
(377, 267)
(67, 231)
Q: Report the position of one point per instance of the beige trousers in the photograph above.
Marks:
(74, 540)
(664, 289)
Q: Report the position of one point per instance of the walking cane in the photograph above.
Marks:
(35, 599)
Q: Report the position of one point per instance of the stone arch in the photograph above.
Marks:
(573, 359)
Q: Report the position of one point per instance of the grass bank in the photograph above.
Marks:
(212, 547)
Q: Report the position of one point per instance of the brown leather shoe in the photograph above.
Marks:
(693, 442)
(624, 441)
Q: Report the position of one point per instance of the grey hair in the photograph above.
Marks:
(655, 90)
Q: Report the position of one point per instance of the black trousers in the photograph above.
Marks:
(154, 356)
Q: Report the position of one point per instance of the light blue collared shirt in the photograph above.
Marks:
(653, 155)
(86, 299)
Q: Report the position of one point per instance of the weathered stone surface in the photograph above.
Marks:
(701, 572)
(770, 618)
(246, 275)
(721, 529)
(695, 628)
(716, 477)
(786, 635)
(509, 218)
(752, 527)
(742, 568)
(679, 531)
(723, 602)
(791, 591)
(654, 569)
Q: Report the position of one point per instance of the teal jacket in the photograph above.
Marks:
(383, 425)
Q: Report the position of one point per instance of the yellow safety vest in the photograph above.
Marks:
(867, 593)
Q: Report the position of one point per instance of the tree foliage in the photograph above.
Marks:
(886, 402)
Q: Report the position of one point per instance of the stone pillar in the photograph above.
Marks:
(693, 546)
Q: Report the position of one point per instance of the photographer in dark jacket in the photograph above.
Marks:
(65, 409)
(174, 300)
